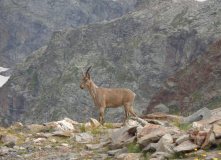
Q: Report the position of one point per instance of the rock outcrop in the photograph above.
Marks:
(135, 141)
(25, 26)
(138, 51)
(196, 86)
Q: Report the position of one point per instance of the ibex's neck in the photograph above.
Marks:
(92, 90)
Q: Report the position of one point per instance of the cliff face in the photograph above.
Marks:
(138, 51)
(27, 25)
(196, 86)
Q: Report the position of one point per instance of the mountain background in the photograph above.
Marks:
(27, 25)
(139, 51)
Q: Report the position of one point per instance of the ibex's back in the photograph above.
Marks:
(115, 97)
(109, 98)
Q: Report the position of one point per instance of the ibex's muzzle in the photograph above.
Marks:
(81, 86)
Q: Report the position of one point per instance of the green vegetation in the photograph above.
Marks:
(33, 84)
(109, 125)
(20, 153)
(196, 95)
(123, 76)
(82, 127)
(214, 103)
(179, 18)
(133, 148)
(177, 155)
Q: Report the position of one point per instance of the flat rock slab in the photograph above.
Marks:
(148, 128)
(156, 135)
(185, 146)
(207, 122)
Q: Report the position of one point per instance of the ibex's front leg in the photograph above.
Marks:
(101, 115)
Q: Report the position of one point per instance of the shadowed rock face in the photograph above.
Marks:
(138, 51)
(196, 86)
(25, 26)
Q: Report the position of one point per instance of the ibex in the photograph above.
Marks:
(109, 98)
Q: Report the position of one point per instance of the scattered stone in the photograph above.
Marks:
(48, 147)
(3, 151)
(156, 135)
(64, 144)
(18, 125)
(217, 130)
(113, 152)
(84, 137)
(9, 138)
(185, 146)
(207, 139)
(182, 138)
(94, 122)
(165, 144)
(148, 128)
(152, 147)
(158, 155)
(133, 123)
(140, 121)
(10, 144)
(97, 146)
(39, 140)
(201, 114)
(129, 156)
(119, 137)
(53, 140)
(33, 127)
(121, 151)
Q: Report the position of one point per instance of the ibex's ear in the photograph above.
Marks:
(88, 76)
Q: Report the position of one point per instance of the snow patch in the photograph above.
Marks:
(3, 69)
(3, 79)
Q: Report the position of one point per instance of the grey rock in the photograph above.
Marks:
(161, 154)
(160, 108)
(182, 138)
(123, 150)
(185, 146)
(113, 152)
(201, 114)
(152, 147)
(156, 135)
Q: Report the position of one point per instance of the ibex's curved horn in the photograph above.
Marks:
(82, 72)
(88, 70)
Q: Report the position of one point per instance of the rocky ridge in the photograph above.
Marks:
(138, 51)
(154, 137)
(25, 26)
(196, 86)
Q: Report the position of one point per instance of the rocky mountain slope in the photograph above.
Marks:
(27, 25)
(138, 51)
(195, 86)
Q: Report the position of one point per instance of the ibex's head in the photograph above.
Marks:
(86, 80)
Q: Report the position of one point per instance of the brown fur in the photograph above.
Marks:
(109, 98)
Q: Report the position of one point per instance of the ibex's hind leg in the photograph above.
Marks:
(127, 113)
(133, 112)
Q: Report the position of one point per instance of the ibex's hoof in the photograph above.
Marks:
(124, 124)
